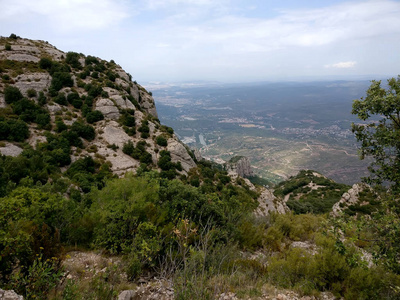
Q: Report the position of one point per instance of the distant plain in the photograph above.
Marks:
(282, 127)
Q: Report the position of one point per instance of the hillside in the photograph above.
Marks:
(98, 200)
(67, 91)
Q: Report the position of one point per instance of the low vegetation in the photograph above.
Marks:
(196, 228)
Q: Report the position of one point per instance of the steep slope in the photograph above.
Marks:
(61, 94)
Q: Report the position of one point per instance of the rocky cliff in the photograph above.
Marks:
(239, 165)
(71, 88)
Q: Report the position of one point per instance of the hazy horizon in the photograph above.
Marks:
(226, 40)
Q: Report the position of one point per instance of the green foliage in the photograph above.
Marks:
(72, 58)
(60, 80)
(167, 129)
(381, 135)
(40, 278)
(45, 63)
(310, 193)
(85, 131)
(128, 118)
(161, 141)
(31, 93)
(12, 94)
(91, 60)
(61, 99)
(13, 130)
(94, 116)
(93, 90)
(31, 222)
(7, 47)
(119, 208)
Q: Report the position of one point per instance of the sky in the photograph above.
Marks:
(220, 40)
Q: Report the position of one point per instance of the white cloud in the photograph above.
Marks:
(66, 15)
(342, 65)
(304, 28)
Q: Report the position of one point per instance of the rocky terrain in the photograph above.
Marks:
(116, 95)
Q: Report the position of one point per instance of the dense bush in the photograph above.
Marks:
(94, 116)
(45, 63)
(12, 94)
(60, 80)
(13, 130)
(161, 141)
(85, 131)
(72, 58)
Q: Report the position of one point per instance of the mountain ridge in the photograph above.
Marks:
(27, 65)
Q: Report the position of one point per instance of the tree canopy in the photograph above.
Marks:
(380, 135)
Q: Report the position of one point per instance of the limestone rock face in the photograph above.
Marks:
(10, 150)
(113, 98)
(269, 203)
(10, 295)
(240, 165)
(108, 108)
(35, 81)
(147, 103)
(351, 197)
(180, 153)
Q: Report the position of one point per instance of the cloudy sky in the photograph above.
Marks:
(221, 40)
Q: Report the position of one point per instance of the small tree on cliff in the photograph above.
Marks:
(380, 136)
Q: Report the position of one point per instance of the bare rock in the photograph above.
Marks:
(239, 165)
(108, 108)
(147, 103)
(114, 134)
(122, 74)
(269, 203)
(35, 81)
(2, 101)
(135, 92)
(10, 150)
(310, 248)
(351, 197)
(126, 295)
(123, 83)
(10, 295)
(180, 153)
(53, 108)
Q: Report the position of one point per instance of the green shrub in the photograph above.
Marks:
(61, 99)
(7, 47)
(31, 93)
(72, 58)
(12, 94)
(85, 131)
(13, 130)
(91, 60)
(94, 116)
(45, 63)
(128, 148)
(60, 80)
(161, 141)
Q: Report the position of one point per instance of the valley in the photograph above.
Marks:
(281, 127)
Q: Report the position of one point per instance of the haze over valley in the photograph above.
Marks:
(282, 127)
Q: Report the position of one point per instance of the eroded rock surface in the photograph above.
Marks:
(180, 153)
(269, 203)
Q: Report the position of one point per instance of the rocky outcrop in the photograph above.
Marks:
(34, 81)
(10, 295)
(239, 165)
(179, 153)
(112, 92)
(147, 102)
(269, 203)
(108, 108)
(10, 150)
(351, 197)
